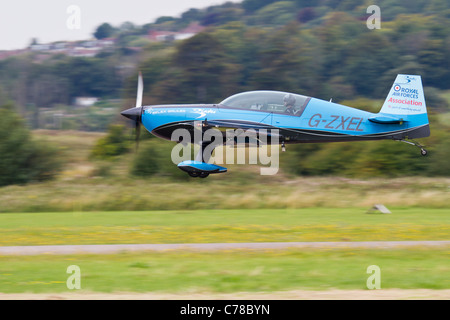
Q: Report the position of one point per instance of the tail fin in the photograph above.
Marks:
(406, 97)
(405, 105)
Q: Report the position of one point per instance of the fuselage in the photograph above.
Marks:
(316, 121)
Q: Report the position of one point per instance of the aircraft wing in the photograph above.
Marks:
(237, 124)
(253, 130)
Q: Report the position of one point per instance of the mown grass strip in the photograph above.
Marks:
(229, 270)
(211, 226)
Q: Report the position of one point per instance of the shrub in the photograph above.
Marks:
(113, 144)
(22, 159)
(154, 158)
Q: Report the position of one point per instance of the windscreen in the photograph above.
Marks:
(269, 101)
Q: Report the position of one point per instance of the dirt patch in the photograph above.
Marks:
(382, 294)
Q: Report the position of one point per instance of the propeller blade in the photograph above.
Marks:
(140, 90)
(135, 114)
(138, 134)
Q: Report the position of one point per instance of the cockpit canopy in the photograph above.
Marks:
(268, 101)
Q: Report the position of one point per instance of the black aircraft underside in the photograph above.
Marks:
(286, 135)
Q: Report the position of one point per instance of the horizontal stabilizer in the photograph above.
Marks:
(386, 119)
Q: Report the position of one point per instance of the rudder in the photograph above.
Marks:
(405, 97)
(406, 104)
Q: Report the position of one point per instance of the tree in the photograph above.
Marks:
(22, 159)
(191, 15)
(153, 159)
(253, 5)
(285, 62)
(164, 19)
(306, 14)
(371, 57)
(221, 15)
(202, 62)
(105, 30)
(34, 41)
(88, 77)
(433, 58)
(278, 13)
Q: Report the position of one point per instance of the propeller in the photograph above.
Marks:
(140, 90)
(135, 113)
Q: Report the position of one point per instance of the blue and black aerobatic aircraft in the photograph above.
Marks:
(293, 118)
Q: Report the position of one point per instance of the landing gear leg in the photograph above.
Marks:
(423, 151)
(203, 157)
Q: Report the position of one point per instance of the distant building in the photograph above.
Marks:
(10, 53)
(88, 48)
(106, 42)
(83, 52)
(40, 47)
(183, 34)
(161, 35)
(85, 101)
(189, 31)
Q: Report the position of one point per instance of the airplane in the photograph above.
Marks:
(288, 118)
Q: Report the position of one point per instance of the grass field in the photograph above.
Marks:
(228, 271)
(203, 226)
(256, 192)
(85, 206)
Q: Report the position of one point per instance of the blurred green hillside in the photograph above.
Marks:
(318, 48)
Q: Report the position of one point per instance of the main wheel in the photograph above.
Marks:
(423, 152)
(194, 174)
(204, 175)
